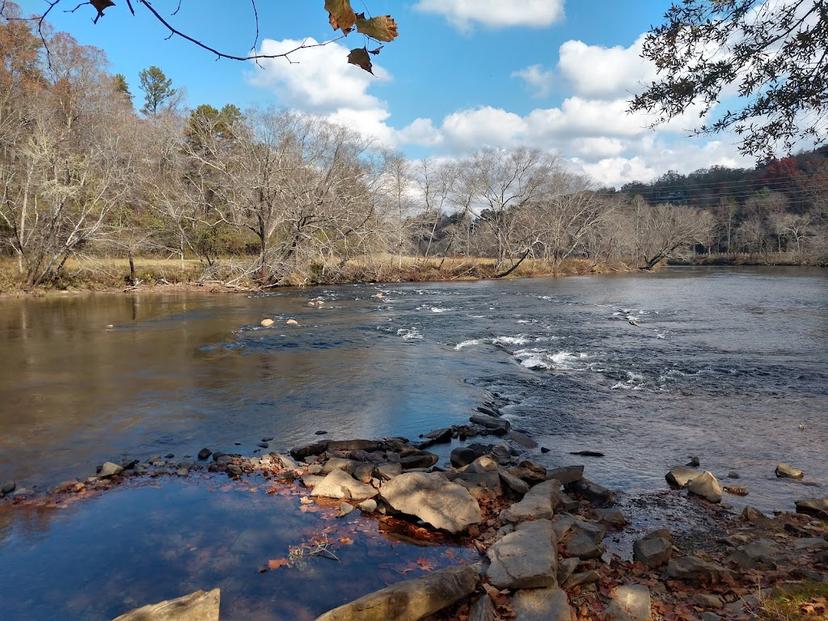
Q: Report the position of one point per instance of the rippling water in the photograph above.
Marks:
(723, 363)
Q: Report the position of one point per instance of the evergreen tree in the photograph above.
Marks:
(158, 90)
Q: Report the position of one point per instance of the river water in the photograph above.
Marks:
(727, 364)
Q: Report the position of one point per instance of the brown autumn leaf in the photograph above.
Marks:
(345, 540)
(361, 58)
(101, 5)
(381, 28)
(340, 14)
(276, 563)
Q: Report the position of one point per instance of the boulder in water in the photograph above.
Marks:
(340, 484)
(707, 486)
(789, 472)
(818, 507)
(266, 323)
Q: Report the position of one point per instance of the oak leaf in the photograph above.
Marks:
(340, 15)
(276, 563)
(381, 28)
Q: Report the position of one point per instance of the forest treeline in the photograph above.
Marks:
(270, 197)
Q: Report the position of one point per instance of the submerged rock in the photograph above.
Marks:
(526, 558)
(340, 484)
(789, 472)
(817, 507)
(198, 606)
(549, 604)
(707, 486)
(499, 426)
(431, 497)
(7, 487)
(630, 602)
(204, 453)
(410, 600)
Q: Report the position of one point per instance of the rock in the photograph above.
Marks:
(587, 453)
(584, 577)
(818, 507)
(263, 445)
(7, 488)
(345, 508)
(234, 470)
(286, 462)
(526, 558)
(204, 454)
(338, 463)
(368, 506)
(732, 475)
(502, 455)
(320, 432)
(613, 517)
(789, 472)
(710, 616)
(538, 503)
(694, 569)
(654, 549)
(198, 606)
(480, 484)
(489, 411)
(630, 602)
(109, 470)
(707, 486)
(549, 604)
(434, 499)
(291, 322)
(388, 471)
(438, 436)
(462, 456)
(340, 484)
(311, 480)
(680, 476)
(736, 490)
(566, 567)
(266, 323)
(694, 462)
(761, 554)
(562, 524)
(567, 475)
(410, 600)
(708, 600)
(521, 439)
(530, 472)
(415, 458)
(544, 449)
(182, 472)
(482, 609)
(363, 472)
(592, 491)
(584, 540)
(519, 486)
(499, 426)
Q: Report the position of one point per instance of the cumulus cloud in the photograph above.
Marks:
(537, 79)
(605, 72)
(464, 14)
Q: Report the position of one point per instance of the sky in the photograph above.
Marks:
(463, 74)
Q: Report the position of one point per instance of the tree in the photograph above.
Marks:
(159, 93)
(771, 54)
(120, 86)
(664, 229)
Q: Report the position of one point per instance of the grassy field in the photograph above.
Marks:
(111, 274)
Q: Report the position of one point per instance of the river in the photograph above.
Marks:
(727, 364)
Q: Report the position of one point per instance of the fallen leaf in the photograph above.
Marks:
(345, 540)
(276, 563)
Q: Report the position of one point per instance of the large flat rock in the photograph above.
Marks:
(410, 600)
(526, 558)
(537, 504)
(434, 499)
(198, 606)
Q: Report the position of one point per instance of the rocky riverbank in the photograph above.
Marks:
(552, 544)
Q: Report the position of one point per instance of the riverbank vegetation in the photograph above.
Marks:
(97, 193)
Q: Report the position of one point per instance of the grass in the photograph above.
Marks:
(108, 273)
(805, 601)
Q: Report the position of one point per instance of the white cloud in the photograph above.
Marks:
(605, 72)
(420, 132)
(463, 14)
(319, 79)
(537, 79)
(483, 127)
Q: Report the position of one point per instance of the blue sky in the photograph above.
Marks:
(552, 74)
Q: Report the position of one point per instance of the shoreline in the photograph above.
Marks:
(492, 498)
